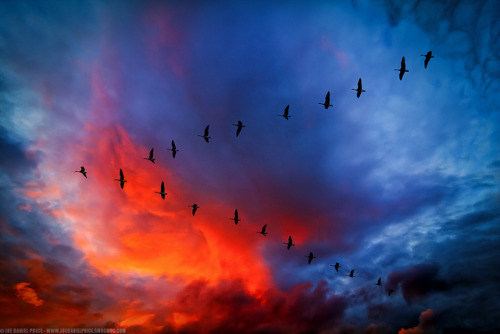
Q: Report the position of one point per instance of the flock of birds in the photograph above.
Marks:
(240, 126)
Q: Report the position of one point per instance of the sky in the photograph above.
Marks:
(400, 184)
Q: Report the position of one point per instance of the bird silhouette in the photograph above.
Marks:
(336, 266)
(205, 135)
(162, 190)
(403, 69)
(285, 113)
(289, 243)
(82, 170)
(359, 90)
(390, 292)
(326, 104)
(428, 57)
(379, 282)
(236, 219)
(195, 207)
(173, 149)
(352, 273)
(121, 179)
(150, 158)
(310, 257)
(263, 232)
(240, 126)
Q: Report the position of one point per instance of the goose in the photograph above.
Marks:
(173, 149)
(195, 207)
(236, 219)
(403, 69)
(326, 104)
(285, 113)
(240, 126)
(205, 135)
(263, 232)
(162, 190)
(82, 170)
(359, 90)
(150, 158)
(121, 179)
(428, 57)
(289, 243)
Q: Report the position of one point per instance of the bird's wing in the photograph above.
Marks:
(162, 187)
(173, 146)
(121, 174)
(151, 153)
(206, 130)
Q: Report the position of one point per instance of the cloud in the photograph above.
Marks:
(427, 320)
(417, 281)
(28, 294)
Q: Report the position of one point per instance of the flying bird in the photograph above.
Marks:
(336, 266)
(82, 170)
(289, 243)
(428, 57)
(240, 126)
(263, 232)
(162, 190)
(236, 219)
(173, 149)
(390, 292)
(379, 282)
(150, 158)
(310, 257)
(195, 207)
(285, 113)
(326, 104)
(205, 135)
(359, 90)
(403, 69)
(121, 179)
(352, 273)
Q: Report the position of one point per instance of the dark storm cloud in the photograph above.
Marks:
(228, 308)
(417, 281)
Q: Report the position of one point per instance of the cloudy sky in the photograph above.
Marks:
(401, 183)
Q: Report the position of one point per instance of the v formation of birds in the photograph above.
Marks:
(402, 70)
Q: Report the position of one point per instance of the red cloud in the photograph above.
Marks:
(28, 294)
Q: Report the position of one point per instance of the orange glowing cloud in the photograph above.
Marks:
(133, 230)
(28, 294)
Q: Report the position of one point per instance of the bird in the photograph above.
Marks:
(82, 170)
(310, 257)
(162, 190)
(240, 126)
(150, 158)
(285, 113)
(428, 57)
(352, 273)
(205, 135)
(195, 207)
(326, 104)
(379, 282)
(173, 149)
(263, 232)
(289, 243)
(359, 90)
(390, 292)
(121, 179)
(337, 266)
(403, 69)
(236, 219)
